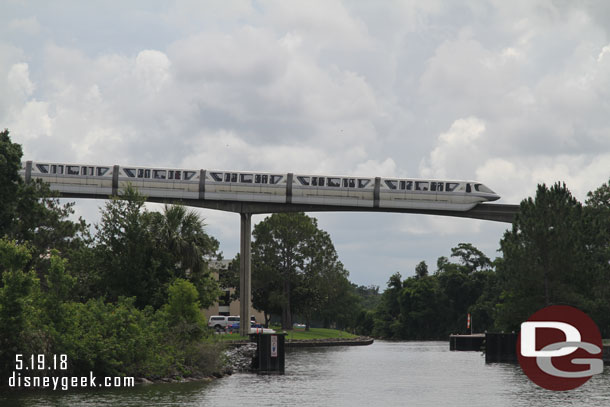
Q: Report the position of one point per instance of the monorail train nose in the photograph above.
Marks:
(493, 197)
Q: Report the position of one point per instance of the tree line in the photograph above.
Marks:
(123, 299)
(556, 252)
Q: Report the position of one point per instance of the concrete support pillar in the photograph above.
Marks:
(245, 287)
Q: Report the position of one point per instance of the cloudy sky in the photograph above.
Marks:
(508, 93)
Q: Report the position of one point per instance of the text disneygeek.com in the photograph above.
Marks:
(44, 363)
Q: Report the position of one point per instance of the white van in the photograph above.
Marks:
(218, 322)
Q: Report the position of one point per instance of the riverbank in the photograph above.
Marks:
(240, 350)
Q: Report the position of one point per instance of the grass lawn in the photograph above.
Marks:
(318, 333)
(296, 334)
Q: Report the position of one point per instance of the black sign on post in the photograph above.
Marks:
(269, 357)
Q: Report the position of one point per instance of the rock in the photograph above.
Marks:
(239, 359)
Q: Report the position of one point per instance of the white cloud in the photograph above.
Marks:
(18, 79)
(508, 93)
(457, 151)
(29, 26)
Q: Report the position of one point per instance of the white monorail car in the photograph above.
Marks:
(370, 192)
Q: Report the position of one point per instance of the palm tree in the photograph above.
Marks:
(182, 233)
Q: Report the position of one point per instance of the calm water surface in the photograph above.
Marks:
(383, 374)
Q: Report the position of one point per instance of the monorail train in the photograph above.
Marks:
(333, 190)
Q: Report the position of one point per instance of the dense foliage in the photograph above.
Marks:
(126, 301)
(296, 271)
(557, 252)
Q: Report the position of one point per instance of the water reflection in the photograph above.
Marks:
(384, 374)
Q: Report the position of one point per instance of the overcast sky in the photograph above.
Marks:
(510, 93)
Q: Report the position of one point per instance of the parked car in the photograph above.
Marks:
(218, 322)
(222, 322)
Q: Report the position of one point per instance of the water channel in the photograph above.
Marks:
(382, 374)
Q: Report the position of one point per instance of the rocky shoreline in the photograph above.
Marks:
(239, 356)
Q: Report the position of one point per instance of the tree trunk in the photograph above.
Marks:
(267, 319)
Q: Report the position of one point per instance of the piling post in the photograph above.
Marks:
(245, 286)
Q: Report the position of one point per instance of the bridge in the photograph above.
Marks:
(94, 182)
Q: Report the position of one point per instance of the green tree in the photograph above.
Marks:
(29, 213)
(421, 270)
(139, 253)
(184, 311)
(387, 314)
(545, 257)
(422, 315)
(19, 316)
(10, 163)
(229, 278)
(597, 218)
(128, 263)
(471, 258)
(180, 235)
(323, 285)
(279, 254)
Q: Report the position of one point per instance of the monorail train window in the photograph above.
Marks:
(216, 176)
(188, 175)
(391, 184)
(131, 172)
(349, 183)
(317, 181)
(468, 188)
(177, 174)
(402, 185)
(362, 183)
(482, 188)
(227, 177)
(274, 179)
(409, 185)
(159, 174)
(101, 171)
(57, 169)
(86, 171)
(257, 178)
(265, 179)
(436, 186)
(233, 177)
(303, 180)
(72, 169)
(44, 168)
(333, 182)
(140, 173)
(421, 186)
(247, 178)
(170, 174)
(451, 186)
